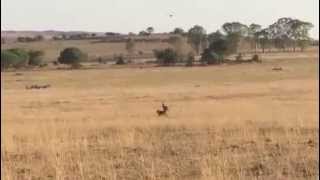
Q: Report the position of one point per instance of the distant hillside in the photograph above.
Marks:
(11, 36)
(8, 35)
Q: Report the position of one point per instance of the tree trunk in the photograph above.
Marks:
(255, 47)
(197, 48)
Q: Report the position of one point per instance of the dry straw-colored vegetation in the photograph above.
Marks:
(225, 122)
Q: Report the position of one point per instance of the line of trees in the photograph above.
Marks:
(20, 58)
(30, 39)
(286, 34)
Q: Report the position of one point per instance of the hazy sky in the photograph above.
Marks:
(135, 15)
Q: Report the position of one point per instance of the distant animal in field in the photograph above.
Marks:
(277, 69)
(38, 86)
(46, 86)
(164, 107)
(163, 111)
(18, 74)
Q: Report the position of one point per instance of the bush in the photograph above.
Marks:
(140, 53)
(39, 38)
(72, 56)
(120, 60)
(14, 58)
(219, 46)
(43, 65)
(210, 57)
(166, 57)
(239, 57)
(256, 58)
(35, 58)
(102, 60)
(56, 38)
(143, 33)
(8, 59)
(190, 59)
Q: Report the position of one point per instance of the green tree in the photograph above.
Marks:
(299, 33)
(263, 38)
(72, 56)
(218, 48)
(253, 29)
(16, 58)
(235, 28)
(235, 32)
(178, 31)
(253, 35)
(39, 38)
(150, 30)
(120, 60)
(143, 33)
(197, 37)
(8, 59)
(166, 57)
(23, 57)
(190, 59)
(210, 57)
(280, 33)
(233, 42)
(215, 36)
(35, 58)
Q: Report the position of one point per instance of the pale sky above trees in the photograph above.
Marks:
(135, 15)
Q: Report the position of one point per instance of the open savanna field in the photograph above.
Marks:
(242, 121)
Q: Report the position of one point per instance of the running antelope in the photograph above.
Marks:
(163, 111)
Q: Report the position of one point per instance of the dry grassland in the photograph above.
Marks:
(224, 122)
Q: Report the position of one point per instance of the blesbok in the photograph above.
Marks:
(277, 69)
(38, 86)
(163, 111)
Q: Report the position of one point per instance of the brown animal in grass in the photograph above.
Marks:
(277, 69)
(46, 86)
(163, 111)
(38, 86)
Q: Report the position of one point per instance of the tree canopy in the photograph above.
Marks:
(72, 56)
(197, 36)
